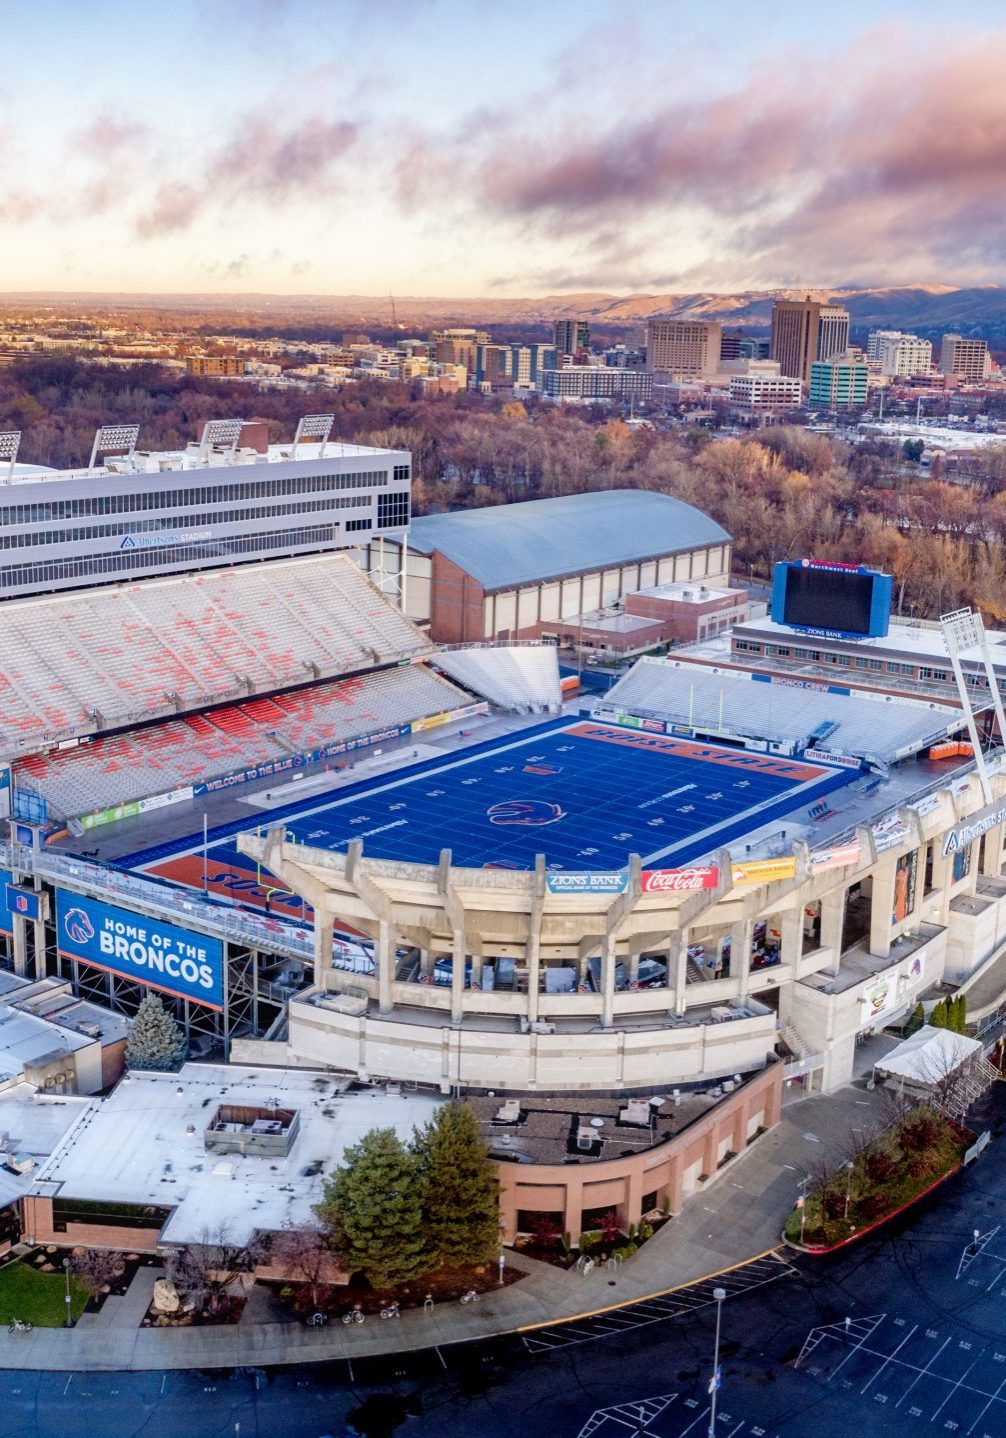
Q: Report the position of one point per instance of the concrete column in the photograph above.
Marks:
(994, 840)
(573, 1217)
(631, 1207)
(533, 974)
(740, 955)
(738, 1141)
(680, 971)
(832, 921)
(632, 964)
(323, 972)
(674, 1192)
(385, 955)
(457, 975)
(426, 963)
(710, 1148)
(20, 946)
(608, 982)
(791, 928)
(38, 926)
(882, 909)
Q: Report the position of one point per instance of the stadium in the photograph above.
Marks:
(260, 789)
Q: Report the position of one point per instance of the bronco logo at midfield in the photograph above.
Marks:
(525, 811)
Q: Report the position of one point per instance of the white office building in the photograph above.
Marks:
(230, 498)
(905, 355)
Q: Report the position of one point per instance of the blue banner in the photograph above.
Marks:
(25, 902)
(6, 918)
(147, 951)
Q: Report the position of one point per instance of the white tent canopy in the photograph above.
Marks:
(930, 1055)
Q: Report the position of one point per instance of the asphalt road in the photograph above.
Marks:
(925, 1352)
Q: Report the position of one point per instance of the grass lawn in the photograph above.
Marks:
(38, 1298)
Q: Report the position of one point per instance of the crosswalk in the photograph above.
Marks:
(759, 1271)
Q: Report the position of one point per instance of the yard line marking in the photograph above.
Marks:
(888, 1360)
(68, 1382)
(988, 1405)
(953, 1390)
(921, 1372)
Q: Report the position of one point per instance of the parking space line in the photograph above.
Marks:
(913, 1329)
(953, 1390)
(988, 1405)
(921, 1372)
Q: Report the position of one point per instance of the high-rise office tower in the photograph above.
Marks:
(966, 358)
(571, 336)
(804, 331)
(683, 346)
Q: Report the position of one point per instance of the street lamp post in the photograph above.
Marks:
(718, 1294)
(66, 1272)
(850, 1166)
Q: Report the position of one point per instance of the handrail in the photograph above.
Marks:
(207, 913)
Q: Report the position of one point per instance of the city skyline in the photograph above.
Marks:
(431, 149)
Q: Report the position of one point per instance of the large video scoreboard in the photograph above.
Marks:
(830, 599)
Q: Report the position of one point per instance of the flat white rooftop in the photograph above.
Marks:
(194, 458)
(923, 639)
(145, 1144)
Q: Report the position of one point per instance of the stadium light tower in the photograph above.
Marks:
(962, 630)
(117, 439)
(220, 434)
(313, 426)
(9, 445)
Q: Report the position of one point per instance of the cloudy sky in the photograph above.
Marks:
(464, 147)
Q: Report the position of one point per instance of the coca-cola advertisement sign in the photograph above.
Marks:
(678, 881)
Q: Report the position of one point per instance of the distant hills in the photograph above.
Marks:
(930, 309)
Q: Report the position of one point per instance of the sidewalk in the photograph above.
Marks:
(737, 1217)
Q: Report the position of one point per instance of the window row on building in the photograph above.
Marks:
(194, 519)
(216, 551)
(868, 662)
(189, 497)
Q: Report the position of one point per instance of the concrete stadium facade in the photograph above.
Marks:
(860, 931)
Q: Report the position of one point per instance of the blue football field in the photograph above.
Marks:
(585, 794)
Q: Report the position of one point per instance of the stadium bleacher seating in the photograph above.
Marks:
(179, 752)
(77, 663)
(519, 677)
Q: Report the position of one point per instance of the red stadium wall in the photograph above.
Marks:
(457, 604)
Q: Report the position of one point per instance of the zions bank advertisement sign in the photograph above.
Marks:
(147, 951)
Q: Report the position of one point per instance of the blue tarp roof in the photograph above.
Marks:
(510, 544)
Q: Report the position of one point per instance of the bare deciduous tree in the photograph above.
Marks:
(204, 1271)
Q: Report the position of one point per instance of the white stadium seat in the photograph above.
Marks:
(179, 752)
(74, 663)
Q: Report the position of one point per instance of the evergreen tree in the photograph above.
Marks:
(154, 1040)
(916, 1021)
(459, 1188)
(940, 1016)
(372, 1210)
(961, 1013)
